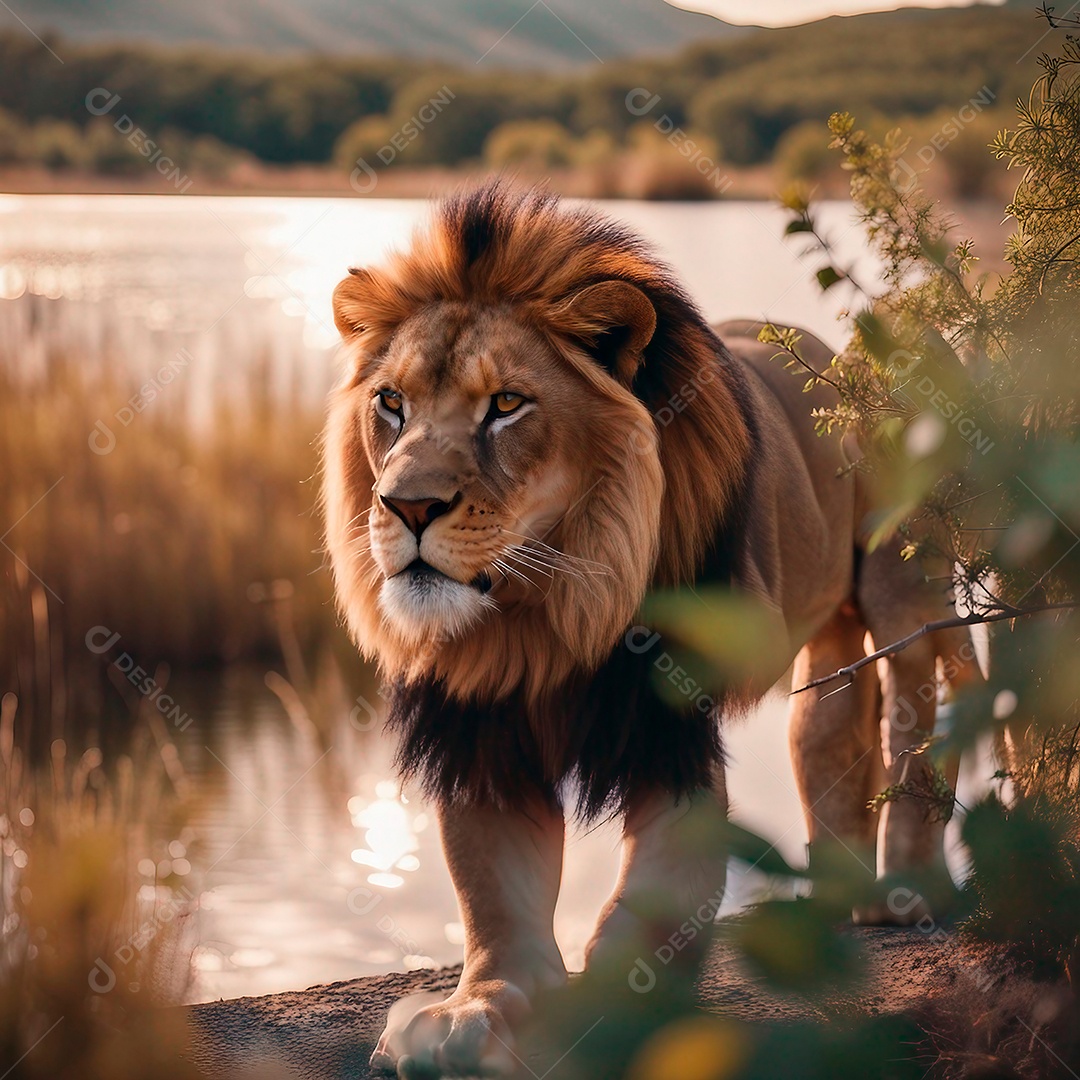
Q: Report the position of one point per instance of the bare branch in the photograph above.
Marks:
(929, 628)
(1058, 22)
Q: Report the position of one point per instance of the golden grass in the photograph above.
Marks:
(164, 539)
(86, 956)
(195, 539)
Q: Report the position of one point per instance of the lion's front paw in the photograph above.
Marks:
(467, 1034)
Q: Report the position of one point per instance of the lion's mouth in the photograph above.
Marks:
(423, 575)
(428, 606)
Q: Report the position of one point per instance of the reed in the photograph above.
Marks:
(96, 909)
(159, 510)
(173, 522)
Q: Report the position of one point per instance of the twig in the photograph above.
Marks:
(1056, 22)
(787, 350)
(929, 628)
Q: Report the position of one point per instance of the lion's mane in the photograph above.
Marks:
(500, 713)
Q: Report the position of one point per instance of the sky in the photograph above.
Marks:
(790, 12)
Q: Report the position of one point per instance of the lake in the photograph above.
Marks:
(309, 863)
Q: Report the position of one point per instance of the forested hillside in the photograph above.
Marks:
(742, 97)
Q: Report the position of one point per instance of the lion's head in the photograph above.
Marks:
(499, 495)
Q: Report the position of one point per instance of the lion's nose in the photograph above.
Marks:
(418, 514)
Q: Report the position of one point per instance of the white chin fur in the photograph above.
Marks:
(430, 607)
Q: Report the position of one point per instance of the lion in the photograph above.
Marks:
(537, 429)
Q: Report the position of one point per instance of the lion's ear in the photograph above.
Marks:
(352, 299)
(614, 320)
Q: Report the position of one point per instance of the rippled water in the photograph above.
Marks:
(315, 867)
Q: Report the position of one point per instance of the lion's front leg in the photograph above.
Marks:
(672, 875)
(506, 867)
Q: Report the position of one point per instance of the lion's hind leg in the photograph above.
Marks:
(896, 601)
(833, 734)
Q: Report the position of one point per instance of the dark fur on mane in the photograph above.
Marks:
(602, 739)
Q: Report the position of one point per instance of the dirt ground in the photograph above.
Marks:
(328, 1032)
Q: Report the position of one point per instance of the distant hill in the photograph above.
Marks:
(742, 92)
(484, 33)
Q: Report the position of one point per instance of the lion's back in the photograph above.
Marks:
(805, 503)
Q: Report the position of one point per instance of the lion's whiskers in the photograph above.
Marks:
(525, 559)
(511, 556)
(506, 569)
(541, 562)
(534, 560)
(538, 548)
(356, 517)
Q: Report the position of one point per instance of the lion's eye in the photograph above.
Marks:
(505, 403)
(390, 400)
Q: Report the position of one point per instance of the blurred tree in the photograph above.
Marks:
(802, 152)
(745, 91)
(537, 143)
(56, 144)
(671, 164)
(12, 138)
(453, 130)
(106, 151)
(953, 149)
(364, 139)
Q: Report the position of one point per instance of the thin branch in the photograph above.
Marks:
(1058, 22)
(971, 498)
(929, 628)
(786, 350)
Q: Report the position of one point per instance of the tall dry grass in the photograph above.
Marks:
(171, 537)
(195, 538)
(95, 913)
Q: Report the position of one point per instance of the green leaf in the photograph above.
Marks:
(794, 945)
(827, 276)
(757, 852)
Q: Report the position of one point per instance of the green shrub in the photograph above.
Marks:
(108, 152)
(12, 138)
(802, 152)
(364, 139)
(673, 166)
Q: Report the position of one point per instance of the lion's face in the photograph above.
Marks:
(465, 422)
(480, 473)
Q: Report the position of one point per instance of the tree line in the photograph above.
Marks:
(741, 97)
